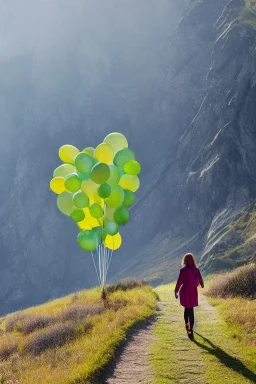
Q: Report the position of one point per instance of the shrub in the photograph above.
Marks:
(80, 312)
(31, 324)
(125, 285)
(7, 350)
(240, 282)
(27, 324)
(117, 303)
(13, 322)
(56, 337)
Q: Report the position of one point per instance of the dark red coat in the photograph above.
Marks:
(188, 281)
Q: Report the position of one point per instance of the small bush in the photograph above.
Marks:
(12, 324)
(55, 337)
(125, 285)
(79, 312)
(117, 303)
(240, 282)
(27, 324)
(7, 350)
(31, 324)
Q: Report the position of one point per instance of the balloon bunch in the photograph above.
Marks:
(95, 188)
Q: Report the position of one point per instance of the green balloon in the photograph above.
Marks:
(116, 198)
(101, 233)
(84, 163)
(72, 182)
(123, 156)
(112, 228)
(128, 198)
(96, 211)
(65, 203)
(100, 173)
(77, 215)
(121, 216)
(132, 167)
(88, 240)
(109, 213)
(80, 199)
(104, 190)
(89, 151)
(115, 175)
(83, 176)
(63, 170)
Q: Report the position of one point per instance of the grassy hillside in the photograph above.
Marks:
(234, 245)
(71, 339)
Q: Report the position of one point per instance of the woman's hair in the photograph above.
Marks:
(189, 260)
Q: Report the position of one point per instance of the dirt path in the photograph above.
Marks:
(161, 353)
(215, 357)
(132, 366)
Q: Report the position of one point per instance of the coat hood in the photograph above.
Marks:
(192, 275)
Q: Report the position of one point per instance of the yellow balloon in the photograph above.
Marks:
(113, 242)
(57, 185)
(67, 153)
(84, 225)
(104, 153)
(88, 220)
(89, 187)
(95, 199)
(130, 182)
(116, 141)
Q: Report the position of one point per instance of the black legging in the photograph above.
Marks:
(189, 315)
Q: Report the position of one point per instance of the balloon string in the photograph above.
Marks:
(103, 269)
(105, 265)
(99, 259)
(95, 267)
(102, 266)
(110, 258)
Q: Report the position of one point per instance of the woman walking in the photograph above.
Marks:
(188, 281)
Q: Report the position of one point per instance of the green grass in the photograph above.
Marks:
(220, 353)
(248, 13)
(81, 357)
(240, 315)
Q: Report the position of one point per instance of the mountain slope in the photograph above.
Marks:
(211, 175)
(178, 78)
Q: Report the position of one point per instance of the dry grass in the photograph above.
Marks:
(234, 294)
(55, 337)
(125, 285)
(78, 313)
(69, 339)
(240, 282)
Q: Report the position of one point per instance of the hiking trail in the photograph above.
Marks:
(161, 353)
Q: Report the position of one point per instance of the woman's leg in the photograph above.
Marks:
(186, 315)
(191, 317)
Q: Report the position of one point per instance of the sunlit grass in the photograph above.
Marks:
(234, 295)
(239, 282)
(86, 350)
(220, 353)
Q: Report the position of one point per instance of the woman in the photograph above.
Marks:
(188, 281)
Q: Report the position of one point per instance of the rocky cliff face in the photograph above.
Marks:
(210, 177)
(178, 78)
